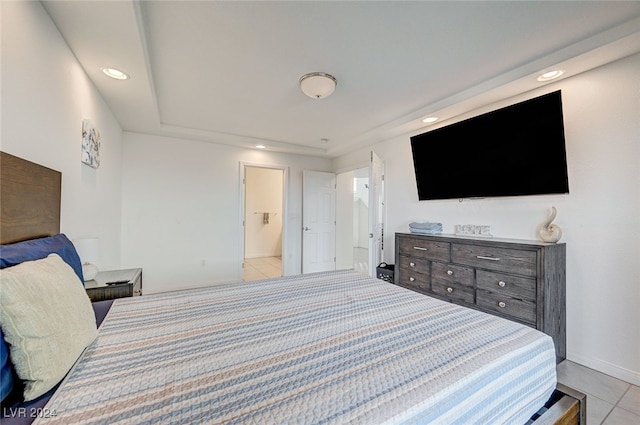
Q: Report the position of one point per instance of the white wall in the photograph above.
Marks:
(263, 194)
(45, 96)
(600, 218)
(181, 213)
(180, 199)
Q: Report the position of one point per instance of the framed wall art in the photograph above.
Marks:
(90, 144)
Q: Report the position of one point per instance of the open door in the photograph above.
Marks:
(318, 221)
(376, 212)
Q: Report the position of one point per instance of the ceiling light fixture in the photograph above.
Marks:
(550, 75)
(318, 85)
(115, 73)
(261, 147)
(430, 120)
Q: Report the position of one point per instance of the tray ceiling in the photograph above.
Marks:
(227, 72)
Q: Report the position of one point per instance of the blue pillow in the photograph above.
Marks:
(6, 369)
(37, 249)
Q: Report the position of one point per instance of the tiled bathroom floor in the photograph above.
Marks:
(610, 401)
(262, 268)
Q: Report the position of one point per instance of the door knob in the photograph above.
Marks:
(307, 228)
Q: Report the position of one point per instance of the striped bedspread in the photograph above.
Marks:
(330, 348)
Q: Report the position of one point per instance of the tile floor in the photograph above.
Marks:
(262, 268)
(610, 401)
(267, 267)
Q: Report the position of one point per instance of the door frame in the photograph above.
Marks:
(285, 200)
(376, 212)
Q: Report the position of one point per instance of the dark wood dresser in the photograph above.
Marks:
(519, 280)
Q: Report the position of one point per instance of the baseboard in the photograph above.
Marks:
(627, 375)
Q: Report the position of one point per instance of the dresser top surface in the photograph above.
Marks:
(478, 239)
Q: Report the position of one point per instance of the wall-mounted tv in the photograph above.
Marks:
(513, 151)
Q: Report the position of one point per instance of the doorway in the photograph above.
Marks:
(263, 222)
(339, 213)
(360, 217)
(352, 244)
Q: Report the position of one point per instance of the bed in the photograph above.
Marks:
(334, 347)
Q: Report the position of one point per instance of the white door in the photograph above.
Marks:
(376, 212)
(318, 221)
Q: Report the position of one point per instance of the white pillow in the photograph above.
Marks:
(47, 319)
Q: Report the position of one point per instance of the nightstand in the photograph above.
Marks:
(129, 284)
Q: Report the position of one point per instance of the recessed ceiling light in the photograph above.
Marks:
(261, 147)
(429, 120)
(115, 73)
(550, 75)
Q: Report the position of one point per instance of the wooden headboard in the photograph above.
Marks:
(29, 199)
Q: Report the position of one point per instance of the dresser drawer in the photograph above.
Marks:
(414, 265)
(515, 261)
(514, 308)
(507, 285)
(414, 280)
(453, 291)
(414, 273)
(434, 250)
(448, 273)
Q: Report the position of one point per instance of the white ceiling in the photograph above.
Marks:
(227, 72)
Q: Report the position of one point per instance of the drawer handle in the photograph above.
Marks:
(502, 284)
(412, 279)
(450, 272)
(502, 304)
(482, 257)
(419, 248)
(449, 290)
(412, 264)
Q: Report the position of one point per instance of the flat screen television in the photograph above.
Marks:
(513, 151)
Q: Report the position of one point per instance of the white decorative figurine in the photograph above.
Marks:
(550, 232)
